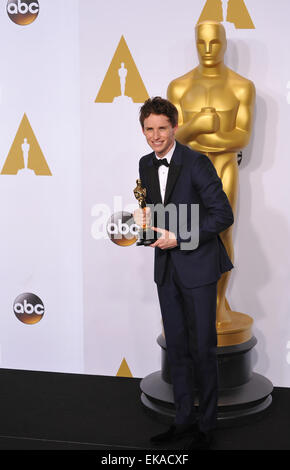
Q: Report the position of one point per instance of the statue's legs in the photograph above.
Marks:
(227, 169)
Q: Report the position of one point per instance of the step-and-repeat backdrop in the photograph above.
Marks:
(73, 75)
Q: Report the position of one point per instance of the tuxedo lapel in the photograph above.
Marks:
(153, 183)
(173, 173)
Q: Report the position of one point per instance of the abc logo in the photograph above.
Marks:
(22, 12)
(122, 229)
(28, 308)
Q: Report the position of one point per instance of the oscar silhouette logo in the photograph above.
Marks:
(122, 82)
(124, 370)
(233, 11)
(25, 156)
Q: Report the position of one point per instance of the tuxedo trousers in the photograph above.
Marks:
(189, 321)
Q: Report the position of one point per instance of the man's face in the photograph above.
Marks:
(211, 44)
(159, 133)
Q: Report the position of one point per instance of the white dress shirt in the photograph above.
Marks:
(163, 171)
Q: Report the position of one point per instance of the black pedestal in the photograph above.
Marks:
(242, 393)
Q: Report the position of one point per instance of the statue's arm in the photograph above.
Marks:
(175, 91)
(199, 124)
(238, 137)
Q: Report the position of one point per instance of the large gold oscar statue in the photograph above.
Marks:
(215, 107)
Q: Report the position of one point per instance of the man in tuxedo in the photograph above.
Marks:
(186, 273)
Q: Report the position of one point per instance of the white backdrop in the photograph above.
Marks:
(40, 249)
(100, 299)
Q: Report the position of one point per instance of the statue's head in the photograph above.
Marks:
(211, 43)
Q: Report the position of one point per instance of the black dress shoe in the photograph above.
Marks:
(201, 441)
(174, 433)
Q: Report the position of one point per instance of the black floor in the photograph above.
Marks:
(52, 411)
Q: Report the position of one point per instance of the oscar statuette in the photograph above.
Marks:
(146, 235)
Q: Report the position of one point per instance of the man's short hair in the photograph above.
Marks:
(158, 105)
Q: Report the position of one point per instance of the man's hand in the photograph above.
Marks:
(142, 217)
(166, 240)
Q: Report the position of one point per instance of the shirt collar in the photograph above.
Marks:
(169, 154)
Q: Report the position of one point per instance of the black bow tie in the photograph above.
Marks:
(160, 161)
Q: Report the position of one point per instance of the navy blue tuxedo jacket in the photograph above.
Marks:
(192, 179)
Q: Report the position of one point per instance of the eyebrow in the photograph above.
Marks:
(159, 127)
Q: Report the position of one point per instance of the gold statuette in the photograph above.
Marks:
(146, 235)
(215, 107)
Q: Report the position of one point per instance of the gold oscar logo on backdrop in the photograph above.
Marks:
(233, 11)
(124, 370)
(122, 81)
(25, 155)
(22, 12)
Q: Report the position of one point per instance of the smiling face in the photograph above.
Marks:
(211, 43)
(159, 133)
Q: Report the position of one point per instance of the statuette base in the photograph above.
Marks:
(237, 331)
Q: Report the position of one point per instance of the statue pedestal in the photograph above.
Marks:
(237, 331)
(242, 393)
